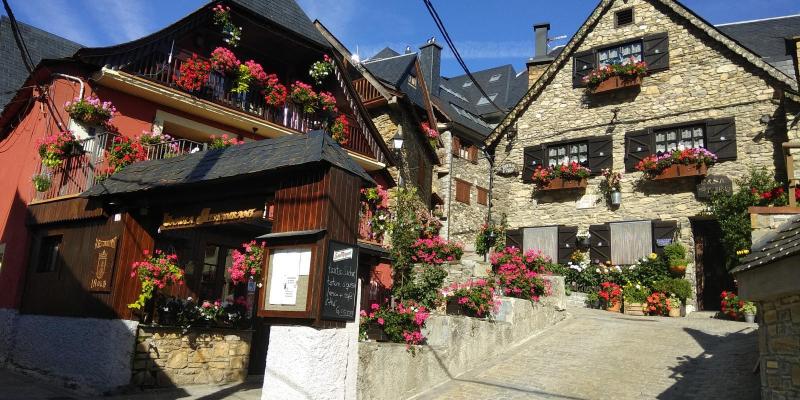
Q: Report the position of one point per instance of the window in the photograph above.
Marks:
(631, 241)
(483, 196)
(483, 100)
(680, 138)
(462, 191)
(49, 256)
(467, 84)
(412, 80)
(568, 153)
(620, 54)
(216, 261)
(495, 77)
(465, 150)
(623, 17)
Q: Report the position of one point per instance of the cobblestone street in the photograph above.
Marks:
(599, 355)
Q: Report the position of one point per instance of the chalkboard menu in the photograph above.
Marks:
(340, 288)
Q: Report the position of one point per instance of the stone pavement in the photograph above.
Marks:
(599, 355)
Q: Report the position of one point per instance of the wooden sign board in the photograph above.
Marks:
(104, 249)
(339, 290)
(714, 184)
(214, 214)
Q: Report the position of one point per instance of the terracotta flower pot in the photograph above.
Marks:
(678, 270)
(614, 306)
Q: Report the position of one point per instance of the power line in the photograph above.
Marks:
(440, 24)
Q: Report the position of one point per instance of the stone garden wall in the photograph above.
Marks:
(167, 357)
(779, 345)
(455, 344)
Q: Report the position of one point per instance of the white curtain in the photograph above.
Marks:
(630, 241)
(544, 239)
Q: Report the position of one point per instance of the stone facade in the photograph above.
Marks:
(704, 80)
(779, 345)
(168, 357)
(389, 120)
(765, 220)
(463, 220)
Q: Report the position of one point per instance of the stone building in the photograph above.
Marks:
(703, 89)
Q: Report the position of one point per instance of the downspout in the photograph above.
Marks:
(490, 159)
(72, 78)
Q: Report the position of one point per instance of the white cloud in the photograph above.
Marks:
(336, 15)
(59, 17)
(121, 21)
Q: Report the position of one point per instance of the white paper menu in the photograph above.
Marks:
(286, 266)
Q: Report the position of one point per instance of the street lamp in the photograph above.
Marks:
(397, 141)
(397, 144)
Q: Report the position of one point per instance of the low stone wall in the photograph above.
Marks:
(779, 346)
(577, 300)
(764, 220)
(455, 345)
(166, 357)
(465, 270)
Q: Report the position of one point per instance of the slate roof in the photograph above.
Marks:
(767, 39)
(286, 13)
(784, 242)
(390, 68)
(40, 44)
(249, 159)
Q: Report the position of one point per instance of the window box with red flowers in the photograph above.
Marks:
(677, 164)
(561, 177)
(616, 76)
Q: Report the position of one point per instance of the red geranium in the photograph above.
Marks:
(192, 74)
(610, 292)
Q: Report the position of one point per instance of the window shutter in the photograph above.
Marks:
(656, 51)
(601, 150)
(582, 65)
(721, 138)
(514, 238)
(638, 145)
(473, 154)
(456, 146)
(663, 230)
(600, 243)
(567, 243)
(462, 191)
(533, 157)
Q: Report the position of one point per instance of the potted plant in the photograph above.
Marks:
(41, 182)
(561, 177)
(675, 254)
(475, 298)
(684, 163)
(657, 304)
(674, 307)
(90, 111)
(321, 69)
(749, 310)
(616, 76)
(592, 300)
(635, 296)
(490, 237)
(678, 289)
(193, 74)
(304, 96)
(611, 186)
(731, 305)
(611, 294)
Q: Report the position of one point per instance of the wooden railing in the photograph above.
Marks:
(365, 90)
(161, 68)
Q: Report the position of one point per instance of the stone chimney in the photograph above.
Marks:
(540, 60)
(430, 59)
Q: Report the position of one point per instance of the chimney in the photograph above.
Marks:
(430, 59)
(541, 59)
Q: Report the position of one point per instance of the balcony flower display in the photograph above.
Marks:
(224, 61)
(564, 176)
(55, 148)
(41, 182)
(222, 18)
(327, 102)
(629, 70)
(321, 69)
(247, 264)
(430, 133)
(274, 92)
(90, 111)
(518, 275)
(436, 251)
(157, 271)
(304, 96)
(150, 138)
(223, 142)
(192, 74)
(123, 152)
(340, 129)
(374, 213)
(402, 323)
(655, 165)
(474, 298)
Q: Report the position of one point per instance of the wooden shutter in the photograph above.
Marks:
(483, 195)
(456, 146)
(600, 243)
(582, 65)
(567, 243)
(532, 157)
(721, 138)
(601, 150)
(514, 238)
(663, 230)
(638, 145)
(462, 191)
(655, 50)
(473, 154)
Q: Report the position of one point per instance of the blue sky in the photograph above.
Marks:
(487, 33)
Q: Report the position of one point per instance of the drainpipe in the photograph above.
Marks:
(72, 78)
(490, 159)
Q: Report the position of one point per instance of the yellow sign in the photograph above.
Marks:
(207, 217)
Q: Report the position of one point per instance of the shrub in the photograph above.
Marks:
(635, 293)
(425, 287)
(436, 251)
(675, 254)
(402, 323)
(517, 275)
(680, 288)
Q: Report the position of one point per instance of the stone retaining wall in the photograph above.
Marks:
(455, 345)
(167, 357)
(779, 345)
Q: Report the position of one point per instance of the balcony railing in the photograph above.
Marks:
(160, 68)
(87, 166)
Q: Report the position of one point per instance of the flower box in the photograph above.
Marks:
(634, 309)
(376, 333)
(564, 184)
(616, 83)
(675, 171)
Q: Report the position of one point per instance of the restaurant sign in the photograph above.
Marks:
(103, 264)
(207, 217)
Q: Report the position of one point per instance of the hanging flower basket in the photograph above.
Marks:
(676, 171)
(617, 82)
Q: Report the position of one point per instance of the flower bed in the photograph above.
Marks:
(436, 251)
(616, 76)
(475, 298)
(677, 164)
(560, 177)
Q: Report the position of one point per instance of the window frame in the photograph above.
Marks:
(468, 188)
(619, 44)
(412, 81)
(677, 129)
(616, 17)
(566, 144)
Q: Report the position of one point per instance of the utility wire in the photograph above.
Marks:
(440, 24)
